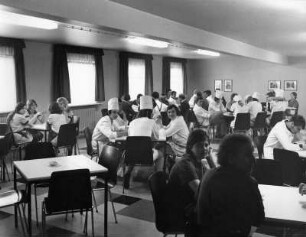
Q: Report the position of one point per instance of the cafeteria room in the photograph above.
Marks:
(122, 117)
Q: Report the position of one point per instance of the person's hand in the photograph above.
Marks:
(302, 188)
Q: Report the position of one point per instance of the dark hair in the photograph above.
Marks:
(197, 99)
(208, 92)
(126, 97)
(139, 95)
(31, 102)
(173, 92)
(145, 113)
(178, 112)
(271, 94)
(54, 108)
(298, 120)
(233, 95)
(18, 107)
(194, 137)
(182, 96)
(236, 151)
(155, 95)
(294, 94)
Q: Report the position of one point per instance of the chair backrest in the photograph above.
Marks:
(242, 122)
(110, 158)
(259, 142)
(138, 151)
(260, 120)
(5, 144)
(192, 118)
(67, 135)
(165, 118)
(69, 190)
(276, 117)
(4, 129)
(158, 186)
(291, 165)
(76, 121)
(88, 138)
(268, 172)
(39, 150)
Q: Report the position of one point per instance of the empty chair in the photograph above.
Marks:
(5, 146)
(88, 138)
(291, 165)
(191, 120)
(138, 152)
(158, 187)
(242, 122)
(268, 172)
(4, 129)
(67, 137)
(68, 191)
(259, 142)
(76, 120)
(276, 117)
(109, 158)
(259, 123)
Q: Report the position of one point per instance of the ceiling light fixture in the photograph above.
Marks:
(24, 20)
(207, 52)
(147, 42)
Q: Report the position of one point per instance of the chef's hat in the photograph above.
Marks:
(113, 104)
(146, 102)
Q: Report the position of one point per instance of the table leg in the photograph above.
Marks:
(15, 206)
(45, 136)
(3, 168)
(105, 206)
(165, 157)
(29, 208)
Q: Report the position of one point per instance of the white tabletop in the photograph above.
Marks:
(1, 137)
(39, 127)
(283, 204)
(40, 169)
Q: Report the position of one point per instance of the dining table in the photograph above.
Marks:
(40, 127)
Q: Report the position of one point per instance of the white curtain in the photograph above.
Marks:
(176, 77)
(136, 77)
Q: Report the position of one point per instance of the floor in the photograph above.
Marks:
(135, 213)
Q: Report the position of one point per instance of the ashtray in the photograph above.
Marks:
(53, 163)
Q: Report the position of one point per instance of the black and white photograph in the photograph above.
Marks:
(228, 85)
(290, 85)
(275, 84)
(218, 85)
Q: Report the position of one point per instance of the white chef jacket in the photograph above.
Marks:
(143, 127)
(192, 100)
(279, 137)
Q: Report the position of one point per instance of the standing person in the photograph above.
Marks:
(293, 102)
(176, 131)
(183, 105)
(64, 105)
(207, 94)
(160, 106)
(56, 119)
(184, 181)
(254, 107)
(127, 107)
(18, 123)
(283, 134)
(109, 127)
(229, 104)
(193, 97)
(201, 114)
(229, 201)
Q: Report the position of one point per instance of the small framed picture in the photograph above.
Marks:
(274, 85)
(290, 85)
(218, 85)
(228, 85)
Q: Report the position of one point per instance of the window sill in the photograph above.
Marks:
(84, 106)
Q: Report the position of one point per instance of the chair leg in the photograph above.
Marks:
(36, 206)
(92, 223)
(21, 221)
(94, 199)
(6, 169)
(111, 199)
(123, 170)
(43, 218)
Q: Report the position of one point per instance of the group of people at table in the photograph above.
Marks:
(207, 200)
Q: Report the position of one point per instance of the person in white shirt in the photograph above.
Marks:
(201, 114)
(193, 98)
(64, 105)
(238, 107)
(172, 99)
(208, 96)
(160, 107)
(109, 127)
(254, 107)
(144, 125)
(283, 134)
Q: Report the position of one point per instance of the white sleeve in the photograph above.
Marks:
(286, 142)
(172, 128)
(105, 127)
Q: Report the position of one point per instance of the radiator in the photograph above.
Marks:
(3, 118)
(88, 117)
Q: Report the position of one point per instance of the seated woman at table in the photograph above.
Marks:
(176, 132)
(229, 201)
(283, 135)
(63, 103)
(109, 127)
(184, 181)
(238, 107)
(18, 122)
(201, 114)
(230, 103)
(55, 120)
(144, 125)
(31, 111)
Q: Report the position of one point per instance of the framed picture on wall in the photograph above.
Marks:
(218, 85)
(290, 85)
(275, 84)
(228, 85)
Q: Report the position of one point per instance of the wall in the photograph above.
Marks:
(248, 75)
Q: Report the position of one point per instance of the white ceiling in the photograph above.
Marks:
(274, 25)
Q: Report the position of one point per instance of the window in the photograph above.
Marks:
(82, 74)
(7, 79)
(176, 77)
(136, 77)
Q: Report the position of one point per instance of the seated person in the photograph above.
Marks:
(63, 103)
(254, 107)
(144, 125)
(136, 103)
(283, 134)
(126, 107)
(229, 201)
(160, 106)
(31, 111)
(172, 99)
(184, 180)
(193, 97)
(55, 120)
(201, 114)
(238, 107)
(293, 102)
(230, 103)
(18, 122)
(183, 105)
(177, 131)
(109, 127)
